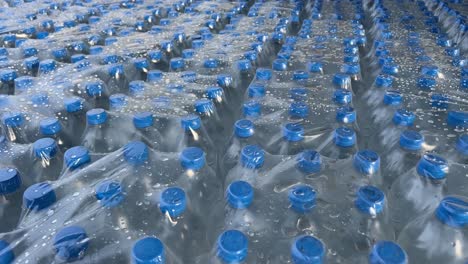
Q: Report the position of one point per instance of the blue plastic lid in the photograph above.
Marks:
(344, 137)
(244, 128)
(28, 52)
(232, 246)
(457, 119)
(141, 64)
(154, 76)
(177, 63)
(387, 252)
(148, 250)
(370, 200)
(116, 70)
(188, 53)
(366, 162)
(426, 83)
(302, 198)
(50, 126)
(351, 68)
(309, 161)
(411, 140)
(47, 66)
(45, 148)
(293, 132)
(143, 119)
(298, 93)
(280, 65)
(430, 70)
(244, 65)
(40, 99)
(392, 97)
(10, 180)
(31, 63)
(110, 59)
(70, 243)
(224, 80)
(263, 74)
(198, 44)
(433, 167)
(383, 80)
(345, 114)
(155, 55)
(96, 116)
(59, 53)
(251, 108)
(462, 144)
(453, 211)
(251, 55)
(256, 89)
(136, 87)
(135, 152)
(39, 196)
(117, 101)
(6, 253)
(192, 158)
(204, 106)
(73, 104)
(95, 88)
(403, 117)
(211, 63)
(252, 157)
(214, 93)
(239, 194)
(77, 58)
(342, 96)
(173, 201)
(298, 110)
(109, 193)
(76, 157)
(307, 250)
(8, 75)
(13, 119)
(300, 75)
(191, 122)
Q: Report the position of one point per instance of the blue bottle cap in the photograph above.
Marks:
(457, 119)
(298, 93)
(94, 88)
(366, 162)
(342, 80)
(116, 70)
(263, 74)
(344, 137)
(251, 55)
(453, 211)
(309, 161)
(462, 144)
(383, 80)
(77, 58)
(370, 200)
(232, 246)
(31, 63)
(197, 44)
(387, 252)
(177, 63)
(109, 193)
(392, 97)
(214, 93)
(13, 119)
(192, 158)
(300, 75)
(244, 128)
(426, 83)
(23, 83)
(188, 53)
(40, 99)
(204, 106)
(256, 89)
(8, 75)
(293, 132)
(59, 53)
(47, 66)
(76, 157)
(45, 148)
(307, 250)
(96, 116)
(6, 253)
(439, 101)
(73, 104)
(433, 167)
(302, 198)
(191, 122)
(136, 87)
(117, 101)
(298, 110)
(411, 140)
(10, 180)
(252, 109)
(50, 126)
(430, 70)
(211, 63)
(244, 65)
(252, 157)
(71, 243)
(39, 196)
(342, 96)
(351, 68)
(141, 64)
(143, 119)
(345, 115)
(239, 194)
(390, 69)
(135, 152)
(110, 59)
(173, 201)
(280, 65)
(42, 34)
(315, 66)
(224, 80)
(148, 250)
(351, 59)
(154, 76)
(28, 52)
(403, 117)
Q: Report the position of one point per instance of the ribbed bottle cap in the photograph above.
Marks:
(366, 162)
(433, 167)
(109, 193)
(13, 119)
(50, 126)
(345, 115)
(293, 132)
(232, 246)
(10, 180)
(71, 243)
(302, 198)
(76, 157)
(143, 119)
(173, 201)
(192, 158)
(383, 80)
(135, 152)
(309, 161)
(252, 157)
(453, 211)
(344, 137)
(403, 117)
(411, 140)
(252, 109)
(392, 97)
(39, 196)
(457, 119)
(342, 96)
(244, 128)
(307, 250)
(148, 250)
(280, 65)
(45, 148)
(370, 200)
(239, 194)
(387, 252)
(117, 101)
(96, 116)
(298, 110)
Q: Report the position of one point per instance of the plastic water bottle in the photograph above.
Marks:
(340, 145)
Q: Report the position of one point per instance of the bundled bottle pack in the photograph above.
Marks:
(246, 131)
